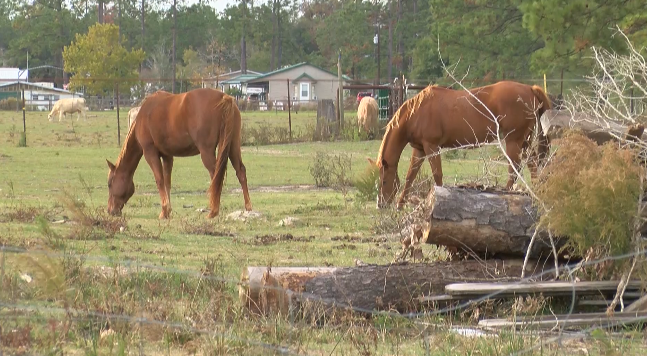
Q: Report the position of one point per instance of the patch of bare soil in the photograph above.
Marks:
(346, 246)
(282, 189)
(272, 239)
(360, 239)
(202, 227)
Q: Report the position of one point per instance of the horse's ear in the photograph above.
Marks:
(110, 165)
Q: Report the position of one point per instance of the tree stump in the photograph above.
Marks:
(486, 222)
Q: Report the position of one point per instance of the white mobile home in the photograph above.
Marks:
(41, 95)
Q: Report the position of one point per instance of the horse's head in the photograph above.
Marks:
(388, 183)
(120, 188)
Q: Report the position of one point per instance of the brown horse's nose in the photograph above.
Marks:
(114, 212)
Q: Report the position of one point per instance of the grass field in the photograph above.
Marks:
(53, 195)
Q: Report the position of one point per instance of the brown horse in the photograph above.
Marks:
(180, 125)
(445, 118)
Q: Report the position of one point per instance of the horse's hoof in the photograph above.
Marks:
(212, 215)
(165, 215)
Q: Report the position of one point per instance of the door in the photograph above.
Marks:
(304, 93)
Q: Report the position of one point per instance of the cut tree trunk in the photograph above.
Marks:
(486, 222)
(403, 287)
(555, 122)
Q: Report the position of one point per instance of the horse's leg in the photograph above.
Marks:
(153, 159)
(167, 162)
(235, 156)
(433, 155)
(208, 157)
(417, 157)
(513, 150)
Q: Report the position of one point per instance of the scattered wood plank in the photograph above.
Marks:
(639, 305)
(555, 122)
(492, 222)
(546, 288)
(367, 288)
(567, 320)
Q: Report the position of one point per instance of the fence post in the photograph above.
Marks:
(24, 121)
(289, 112)
(341, 93)
(118, 125)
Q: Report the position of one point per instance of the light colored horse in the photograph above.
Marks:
(68, 106)
(132, 115)
(367, 113)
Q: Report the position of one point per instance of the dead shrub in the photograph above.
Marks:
(591, 194)
(9, 104)
(202, 227)
(264, 134)
(92, 224)
(26, 214)
(330, 170)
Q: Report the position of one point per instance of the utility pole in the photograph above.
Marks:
(341, 92)
(174, 32)
(376, 40)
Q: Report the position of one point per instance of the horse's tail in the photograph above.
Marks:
(543, 146)
(228, 112)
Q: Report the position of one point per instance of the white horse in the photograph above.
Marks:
(68, 106)
(367, 113)
(132, 115)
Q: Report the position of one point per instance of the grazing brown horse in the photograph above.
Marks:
(445, 118)
(180, 125)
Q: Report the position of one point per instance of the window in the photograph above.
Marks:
(305, 91)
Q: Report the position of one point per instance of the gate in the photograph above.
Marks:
(389, 97)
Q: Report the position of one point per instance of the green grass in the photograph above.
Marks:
(67, 159)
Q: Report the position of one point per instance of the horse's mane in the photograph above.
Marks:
(403, 114)
(125, 146)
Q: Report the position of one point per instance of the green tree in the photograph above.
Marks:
(427, 67)
(42, 29)
(569, 28)
(99, 61)
(486, 36)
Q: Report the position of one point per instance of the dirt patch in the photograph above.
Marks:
(272, 239)
(202, 227)
(282, 189)
(359, 239)
(346, 246)
(28, 214)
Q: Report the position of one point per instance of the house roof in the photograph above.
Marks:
(284, 69)
(38, 86)
(235, 73)
(243, 78)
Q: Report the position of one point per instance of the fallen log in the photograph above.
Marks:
(403, 287)
(555, 122)
(486, 222)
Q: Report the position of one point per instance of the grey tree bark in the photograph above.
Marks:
(481, 222)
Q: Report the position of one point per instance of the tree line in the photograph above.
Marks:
(489, 39)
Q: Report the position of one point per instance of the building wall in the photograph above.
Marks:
(325, 87)
(45, 99)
